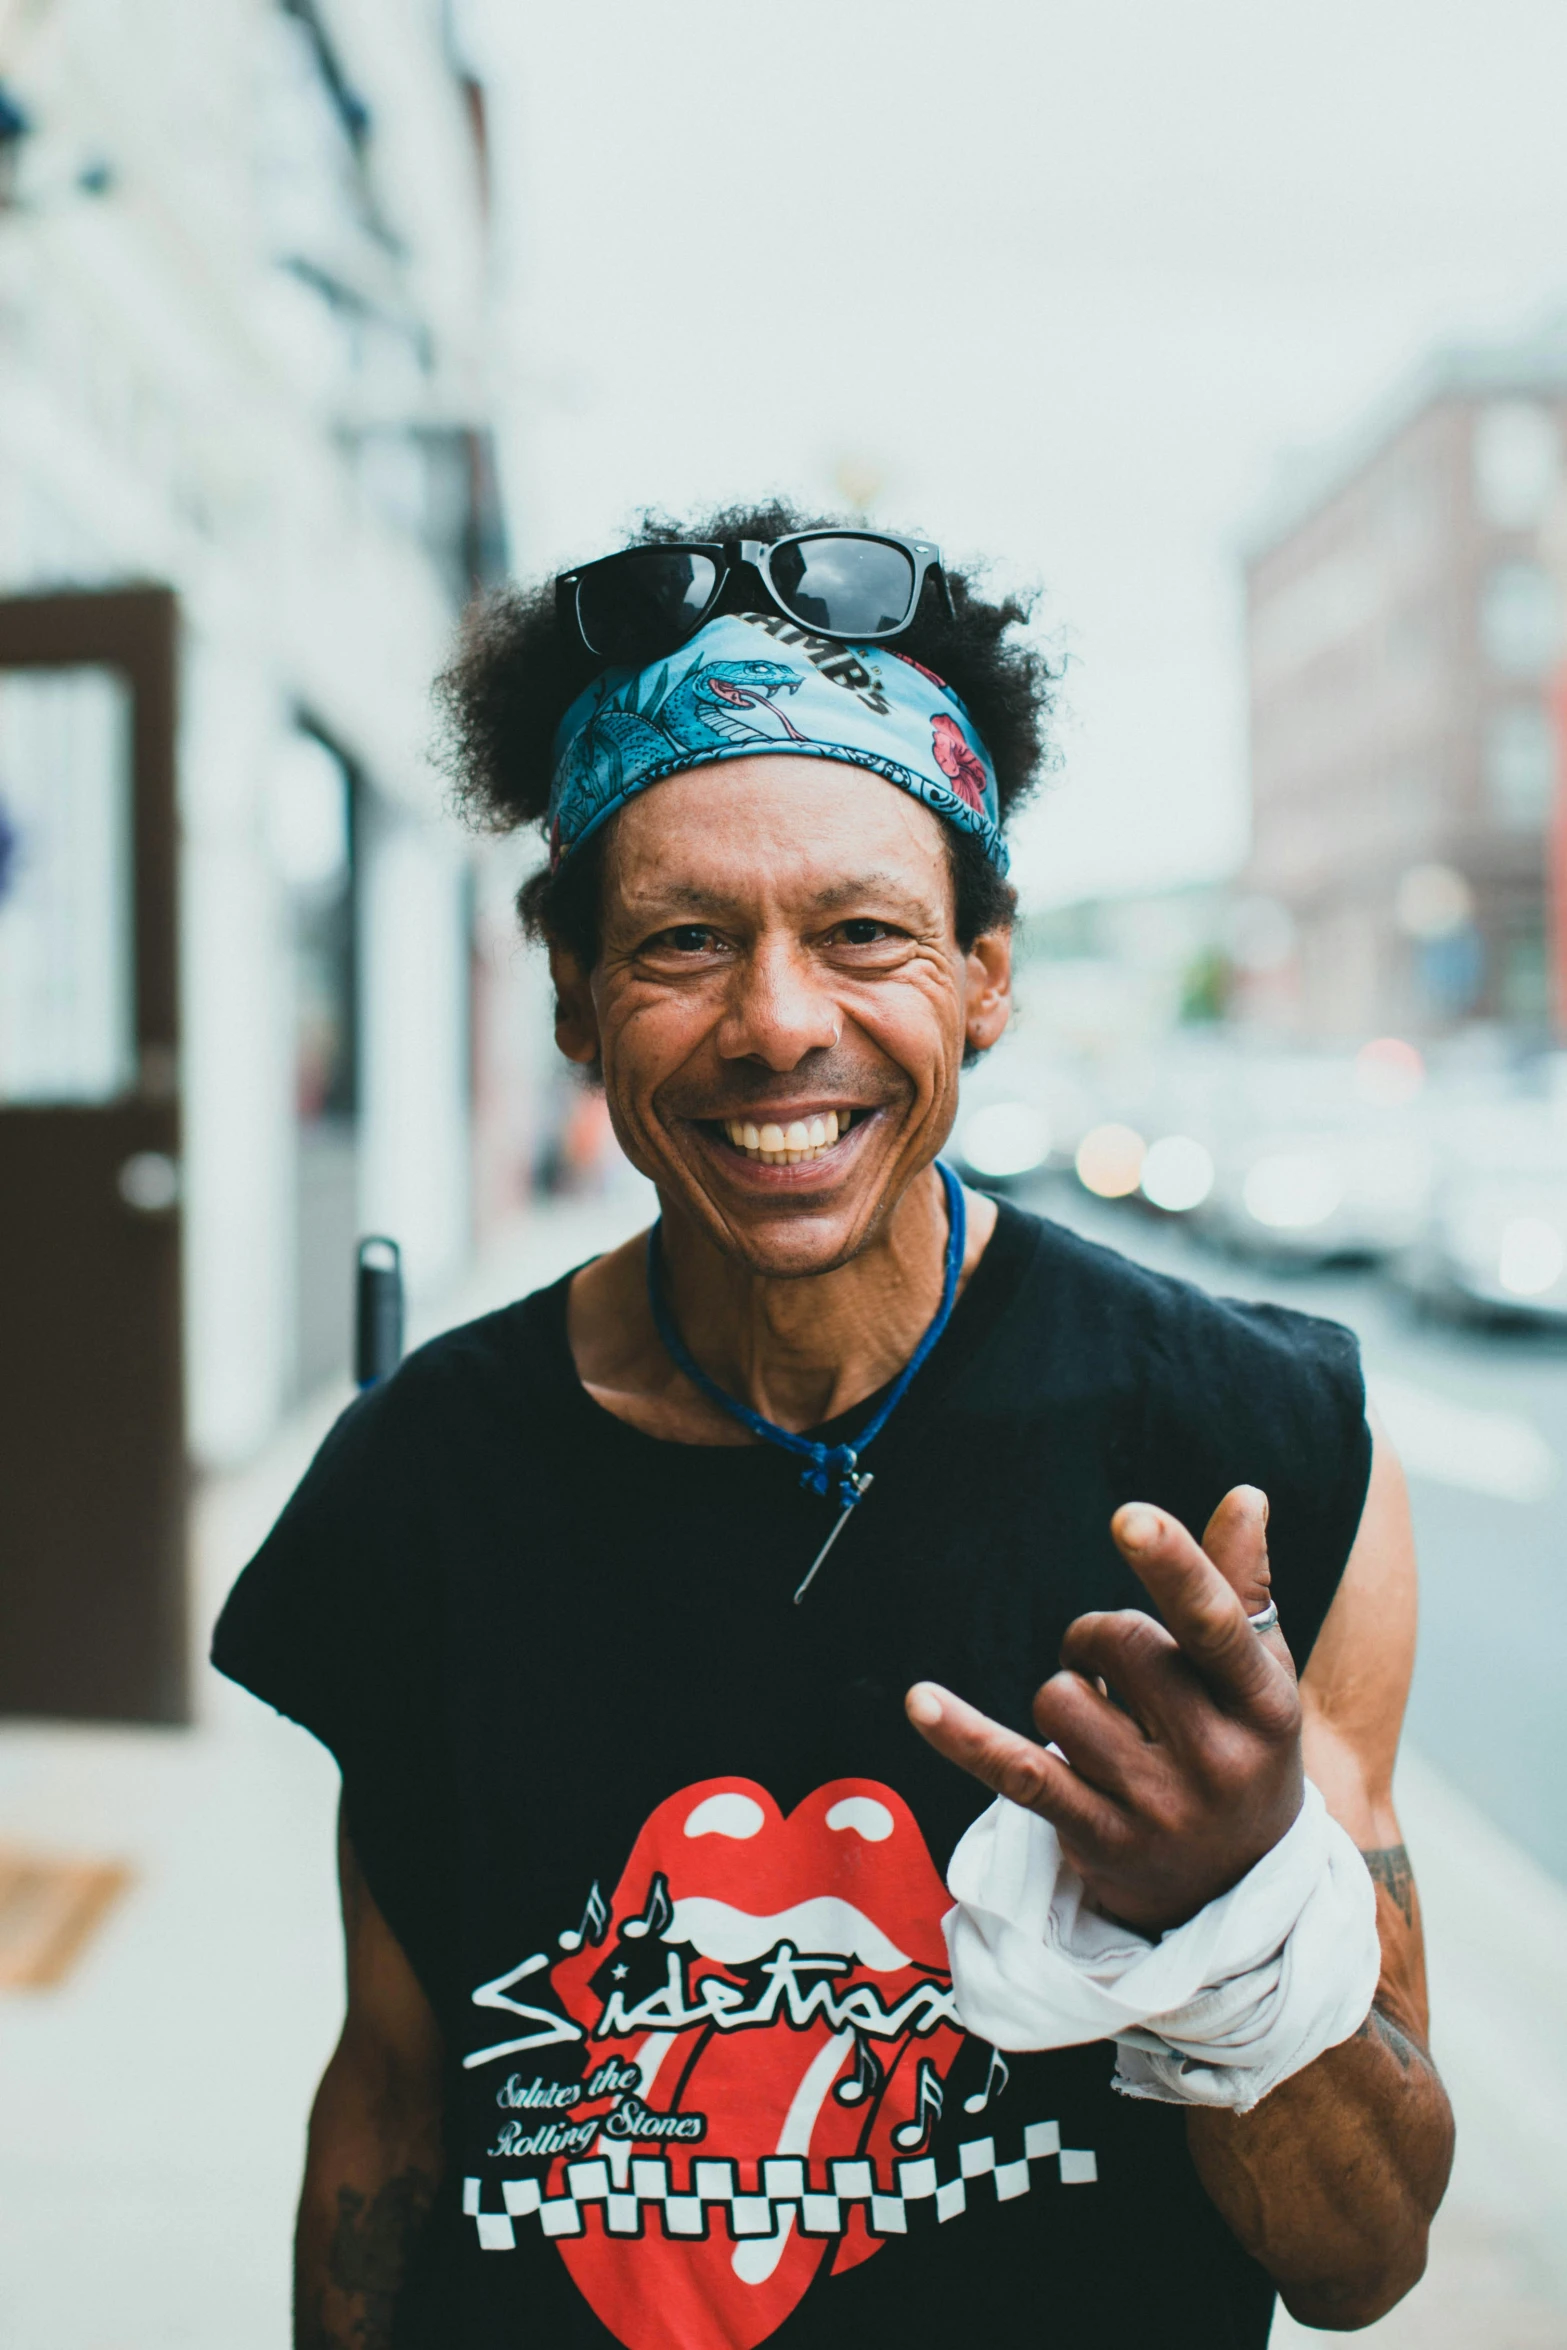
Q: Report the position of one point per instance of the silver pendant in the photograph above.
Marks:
(861, 1485)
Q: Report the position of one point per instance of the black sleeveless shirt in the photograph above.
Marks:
(669, 1860)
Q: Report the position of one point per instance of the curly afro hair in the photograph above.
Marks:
(517, 671)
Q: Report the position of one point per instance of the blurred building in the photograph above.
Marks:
(1107, 977)
(1405, 624)
(245, 485)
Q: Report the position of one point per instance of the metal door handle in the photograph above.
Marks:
(149, 1182)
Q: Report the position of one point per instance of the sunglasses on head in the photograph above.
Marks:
(859, 585)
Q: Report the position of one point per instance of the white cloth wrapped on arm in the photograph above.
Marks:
(1217, 2011)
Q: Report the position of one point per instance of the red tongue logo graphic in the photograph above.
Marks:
(781, 1985)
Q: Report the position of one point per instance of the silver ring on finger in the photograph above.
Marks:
(1267, 1619)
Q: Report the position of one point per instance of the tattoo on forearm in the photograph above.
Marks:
(370, 2248)
(1389, 1866)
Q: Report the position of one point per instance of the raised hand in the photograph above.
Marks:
(1170, 1756)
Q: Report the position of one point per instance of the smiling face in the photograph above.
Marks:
(781, 1006)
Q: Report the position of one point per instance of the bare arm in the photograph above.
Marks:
(1332, 2182)
(1179, 1754)
(374, 2158)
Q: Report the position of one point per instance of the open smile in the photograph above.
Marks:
(788, 1145)
(799, 1141)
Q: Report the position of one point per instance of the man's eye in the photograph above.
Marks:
(863, 933)
(690, 938)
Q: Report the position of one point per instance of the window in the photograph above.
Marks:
(1520, 763)
(1521, 619)
(1517, 459)
(311, 828)
(67, 996)
(1525, 973)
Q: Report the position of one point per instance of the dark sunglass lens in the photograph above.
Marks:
(645, 601)
(855, 587)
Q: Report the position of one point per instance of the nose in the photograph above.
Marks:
(778, 1010)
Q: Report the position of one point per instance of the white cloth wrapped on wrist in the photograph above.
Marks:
(1216, 2012)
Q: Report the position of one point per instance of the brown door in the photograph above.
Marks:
(92, 1476)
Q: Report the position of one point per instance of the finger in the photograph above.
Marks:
(1138, 1659)
(1101, 1742)
(1009, 1765)
(1197, 1604)
(1236, 1539)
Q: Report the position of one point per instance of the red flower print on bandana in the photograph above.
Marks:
(957, 761)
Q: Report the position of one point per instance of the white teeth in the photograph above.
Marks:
(779, 1146)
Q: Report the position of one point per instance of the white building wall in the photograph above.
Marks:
(174, 405)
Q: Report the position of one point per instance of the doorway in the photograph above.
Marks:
(92, 1454)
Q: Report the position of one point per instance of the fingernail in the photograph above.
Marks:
(1264, 1509)
(1138, 1527)
(923, 1705)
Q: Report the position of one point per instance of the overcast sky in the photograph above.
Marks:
(1066, 278)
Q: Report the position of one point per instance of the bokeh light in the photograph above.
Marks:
(1389, 1072)
(1531, 1258)
(1110, 1160)
(1177, 1173)
(1290, 1191)
(1432, 901)
(1005, 1138)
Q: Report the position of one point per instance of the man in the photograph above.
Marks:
(649, 1618)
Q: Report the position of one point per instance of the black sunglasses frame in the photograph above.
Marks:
(727, 555)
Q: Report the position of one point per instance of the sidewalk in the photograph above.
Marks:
(1496, 1929)
(152, 2109)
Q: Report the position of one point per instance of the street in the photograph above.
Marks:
(1480, 1420)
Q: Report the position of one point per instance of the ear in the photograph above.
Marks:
(988, 989)
(576, 1022)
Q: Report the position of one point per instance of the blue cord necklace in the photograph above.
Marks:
(825, 1464)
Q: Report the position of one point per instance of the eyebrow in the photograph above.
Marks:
(688, 898)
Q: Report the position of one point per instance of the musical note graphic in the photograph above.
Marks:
(981, 2097)
(657, 1911)
(866, 2079)
(595, 1922)
(912, 2134)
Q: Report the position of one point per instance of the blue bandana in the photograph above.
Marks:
(753, 682)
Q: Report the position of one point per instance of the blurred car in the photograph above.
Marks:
(1295, 1158)
(1347, 1191)
(1022, 1110)
(1494, 1242)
